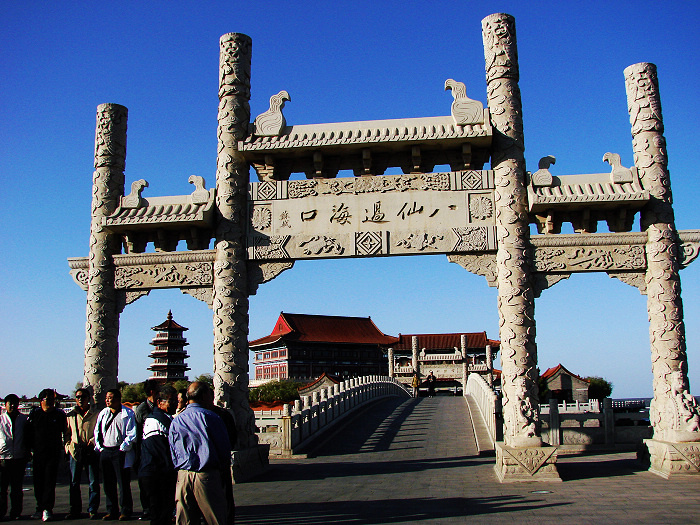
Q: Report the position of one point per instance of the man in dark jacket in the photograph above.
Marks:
(49, 428)
(145, 409)
(157, 472)
(14, 455)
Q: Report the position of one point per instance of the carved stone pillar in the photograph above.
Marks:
(230, 300)
(489, 365)
(516, 302)
(391, 362)
(414, 355)
(674, 414)
(102, 326)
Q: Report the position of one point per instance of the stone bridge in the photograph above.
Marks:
(415, 460)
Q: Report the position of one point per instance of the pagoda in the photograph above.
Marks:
(169, 352)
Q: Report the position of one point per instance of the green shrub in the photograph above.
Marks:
(285, 391)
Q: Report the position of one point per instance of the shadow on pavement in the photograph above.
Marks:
(305, 471)
(597, 467)
(385, 511)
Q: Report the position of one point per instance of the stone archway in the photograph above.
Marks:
(478, 218)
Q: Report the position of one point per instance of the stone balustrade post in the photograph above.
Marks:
(286, 430)
(674, 412)
(489, 365)
(414, 355)
(609, 421)
(297, 406)
(104, 303)
(554, 423)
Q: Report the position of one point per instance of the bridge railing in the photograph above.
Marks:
(487, 401)
(298, 424)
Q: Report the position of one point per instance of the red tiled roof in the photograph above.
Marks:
(325, 329)
(551, 371)
(257, 406)
(169, 324)
(445, 341)
(332, 378)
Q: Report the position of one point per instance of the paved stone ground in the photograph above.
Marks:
(414, 461)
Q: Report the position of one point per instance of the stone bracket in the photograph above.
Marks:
(262, 272)
(483, 264)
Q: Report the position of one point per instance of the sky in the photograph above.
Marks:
(339, 61)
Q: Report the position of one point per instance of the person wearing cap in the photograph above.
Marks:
(13, 456)
(48, 427)
(80, 447)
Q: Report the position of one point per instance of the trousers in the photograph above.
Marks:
(11, 476)
(89, 462)
(45, 471)
(115, 476)
(200, 494)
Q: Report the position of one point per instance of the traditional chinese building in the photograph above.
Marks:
(451, 357)
(169, 352)
(303, 347)
(563, 385)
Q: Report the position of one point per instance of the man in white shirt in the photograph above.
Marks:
(115, 434)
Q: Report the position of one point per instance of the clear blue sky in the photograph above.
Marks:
(339, 61)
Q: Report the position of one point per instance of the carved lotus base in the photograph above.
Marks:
(673, 459)
(526, 464)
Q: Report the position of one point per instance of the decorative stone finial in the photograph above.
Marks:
(542, 177)
(619, 173)
(200, 195)
(464, 109)
(134, 200)
(272, 122)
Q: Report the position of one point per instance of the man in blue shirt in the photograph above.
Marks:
(201, 453)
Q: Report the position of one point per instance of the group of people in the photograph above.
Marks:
(180, 452)
(430, 381)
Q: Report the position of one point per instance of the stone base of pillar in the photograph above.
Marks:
(673, 459)
(514, 465)
(250, 462)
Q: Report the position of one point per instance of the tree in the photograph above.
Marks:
(181, 384)
(133, 393)
(599, 388)
(205, 378)
(284, 391)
